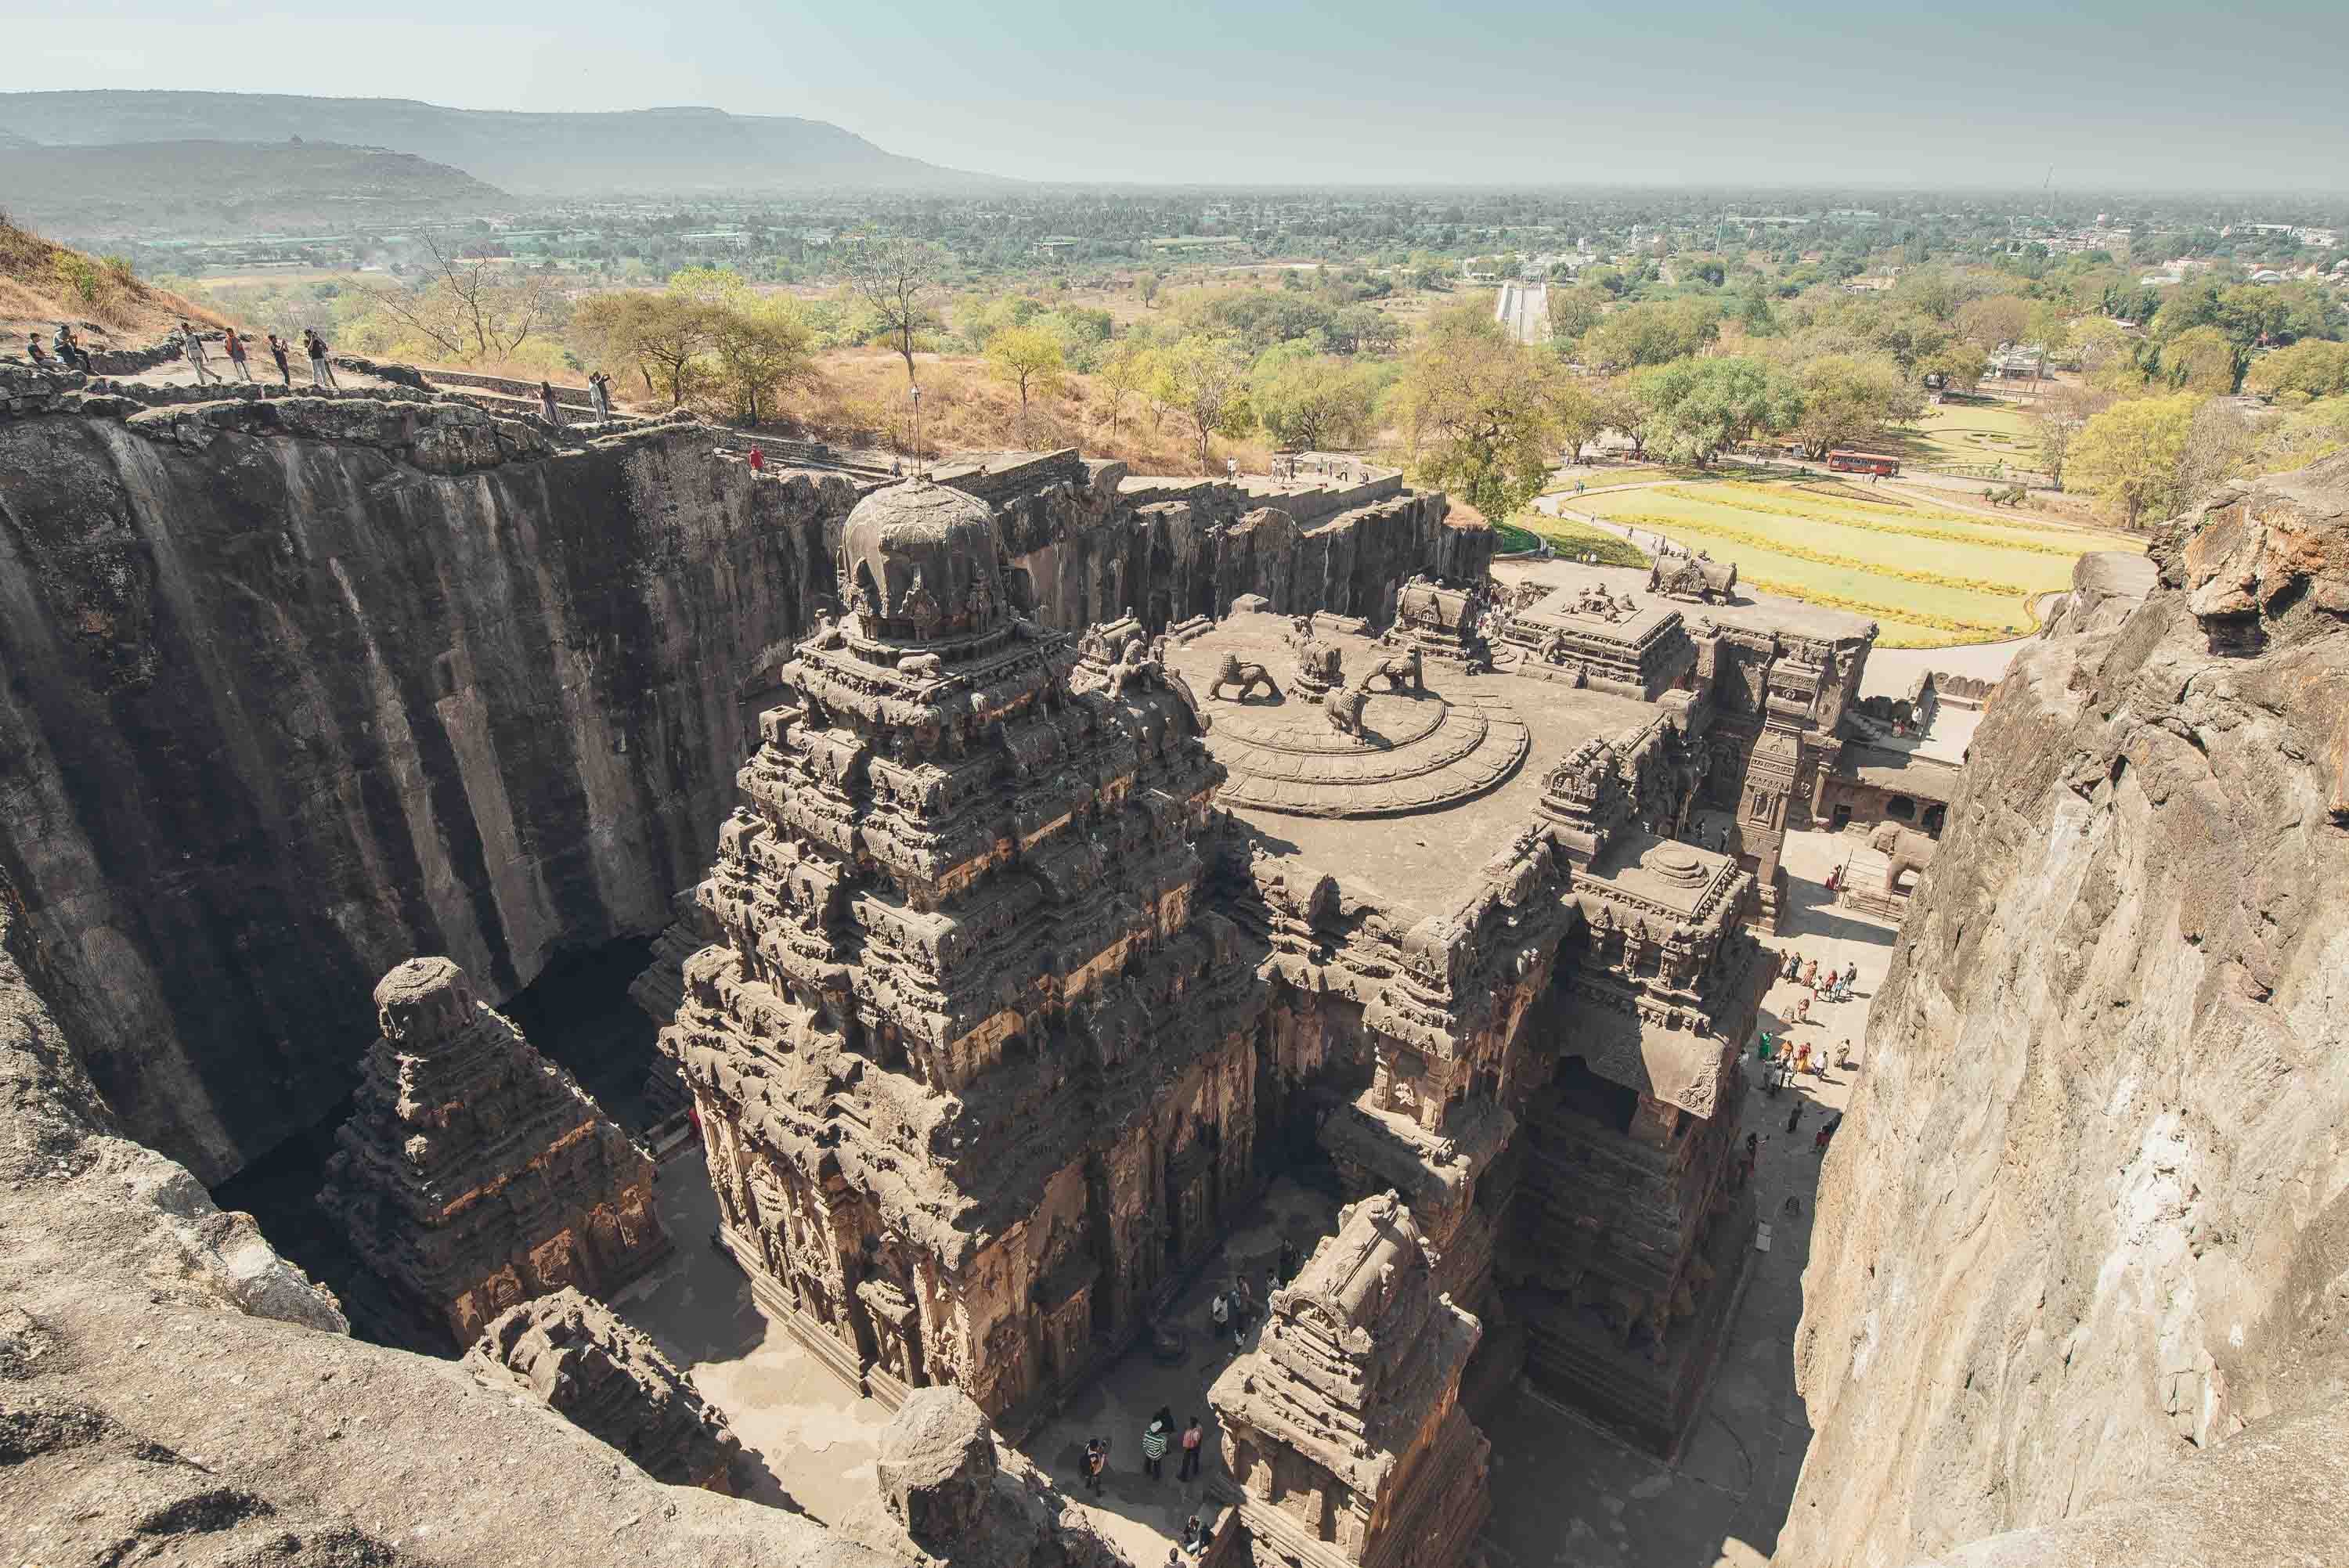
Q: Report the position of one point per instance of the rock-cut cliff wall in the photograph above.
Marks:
(291, 690)
(2090, 1216)
(297, 690)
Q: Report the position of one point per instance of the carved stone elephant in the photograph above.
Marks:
(1904, 848)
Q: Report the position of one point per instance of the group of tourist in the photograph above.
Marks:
(70, 352)
(1285, 466)
(599, 398)
(1157, 1438)
(1233, 1307)
(236, 348)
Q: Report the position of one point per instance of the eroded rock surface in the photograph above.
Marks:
(2088, 1218)
(158, 1405)
(572, 1354)
(949, 1496)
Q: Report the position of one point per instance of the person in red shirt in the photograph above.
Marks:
(758, 460)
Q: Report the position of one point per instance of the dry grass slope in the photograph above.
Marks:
(42, 283)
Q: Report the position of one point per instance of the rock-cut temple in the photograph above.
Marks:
(1040, 955)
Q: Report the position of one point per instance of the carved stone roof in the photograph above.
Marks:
(922, 559)
(1412, 750)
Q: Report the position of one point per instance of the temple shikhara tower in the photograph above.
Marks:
(474, 1173)
(1343, 1429)
(975, 1068)
(1041, 953)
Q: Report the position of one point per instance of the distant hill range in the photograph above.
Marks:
(213, 187)
(651, 150)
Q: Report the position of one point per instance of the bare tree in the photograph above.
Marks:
(893, 278)
(475, 311)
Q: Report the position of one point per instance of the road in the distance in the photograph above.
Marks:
(1523, 311)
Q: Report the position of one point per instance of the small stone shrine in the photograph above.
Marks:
(573, 1355)
(474, 1173)
(1343, 1438)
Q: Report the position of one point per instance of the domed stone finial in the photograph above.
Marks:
(922, 563)
(424, 1001)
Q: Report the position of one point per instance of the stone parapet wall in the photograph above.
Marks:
(564, 396)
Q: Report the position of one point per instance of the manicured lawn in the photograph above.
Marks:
(1571, 538)
(1969, 433)
(1928, 575)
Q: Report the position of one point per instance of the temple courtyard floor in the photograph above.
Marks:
(1565, 1491)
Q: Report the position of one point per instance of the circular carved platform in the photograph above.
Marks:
(1417, 752)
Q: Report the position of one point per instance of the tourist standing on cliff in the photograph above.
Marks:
(322, 374)
(546, 404)
(277, 352)
(193, 346)
(1191, 1438)
(1155, 1438)
(235, 348)
(758, 459)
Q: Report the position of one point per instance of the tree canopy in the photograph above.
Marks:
(1477, 411)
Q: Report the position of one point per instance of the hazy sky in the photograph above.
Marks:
(1974, 92)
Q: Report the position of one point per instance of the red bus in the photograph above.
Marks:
(1864, 463)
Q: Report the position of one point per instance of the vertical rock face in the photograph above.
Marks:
(474, 1173)
(611, 1381)
(2087, 1217)
(286, 705)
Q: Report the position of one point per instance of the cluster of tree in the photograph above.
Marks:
(709, 339)
(2144, 458)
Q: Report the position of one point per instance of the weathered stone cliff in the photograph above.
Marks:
(297, 688)
(2091, 1213)
(171, 1391)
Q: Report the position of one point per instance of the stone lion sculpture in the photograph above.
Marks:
(1247, 677)
(1403, 673)
(1344, 708)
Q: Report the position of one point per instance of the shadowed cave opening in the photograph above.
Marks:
(577, 1013)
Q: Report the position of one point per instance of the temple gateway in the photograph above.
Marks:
(1040, 955)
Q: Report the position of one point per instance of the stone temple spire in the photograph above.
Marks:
(474, 1173)
(1343, 1435)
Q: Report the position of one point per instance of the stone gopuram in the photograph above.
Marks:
(1343, 1440)
(975, 1068)
(474, 1173)
(569, 1352)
